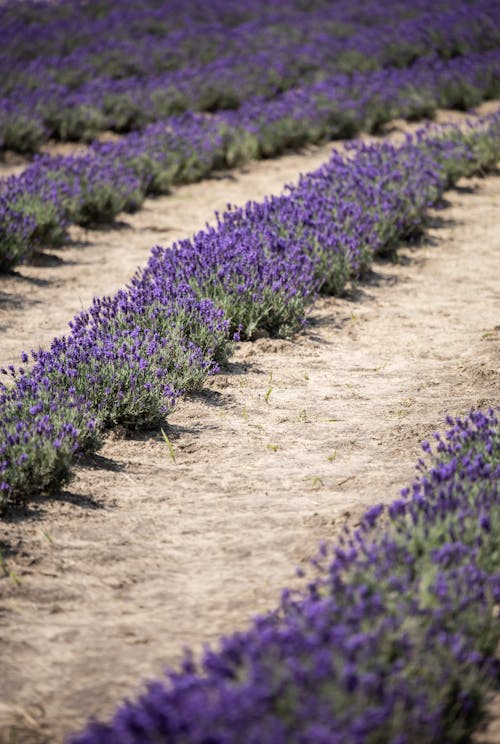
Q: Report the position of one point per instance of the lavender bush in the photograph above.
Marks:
(393, 640)
(16, 234)
(116, 176)
(259, 282)
(32, 215)
(130, 356)
(40, 432)
(125, 361)
(65, 79)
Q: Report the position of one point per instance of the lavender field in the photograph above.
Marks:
(172, 453)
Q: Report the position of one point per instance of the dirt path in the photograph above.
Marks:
(140, 555)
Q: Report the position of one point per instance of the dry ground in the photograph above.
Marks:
(141, 555)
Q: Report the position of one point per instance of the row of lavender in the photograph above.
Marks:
(40, 29)
(129, 357)
(393, 641)
(67, 98)
(37, 206)
(71, 40)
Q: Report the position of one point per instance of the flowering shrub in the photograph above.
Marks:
(126, 361)
(63, 79)
(129, 357)
(113, 177)
(16, 234)
(41, 428)
(393, 640)
(32, 215)
(259, 282)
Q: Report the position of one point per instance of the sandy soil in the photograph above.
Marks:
(141, 555)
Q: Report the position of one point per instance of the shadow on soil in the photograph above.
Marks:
(35, 507)
(36, 281)
(46, 260)
(13, 301)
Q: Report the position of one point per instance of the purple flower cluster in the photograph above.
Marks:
(85, 85)
(36, 206)
(17, 229)
(128, 358)
(393, 640)
(263, 263)
(125, 361)
(39, 434)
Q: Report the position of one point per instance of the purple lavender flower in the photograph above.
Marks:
(395, 642)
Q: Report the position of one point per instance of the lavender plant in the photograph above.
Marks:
(40, 430)
(392, 641)
(125, 361)
(157, 68)
(257, 283)
(129, 357)
(112, 177)
(16, 231)
(466, 152)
